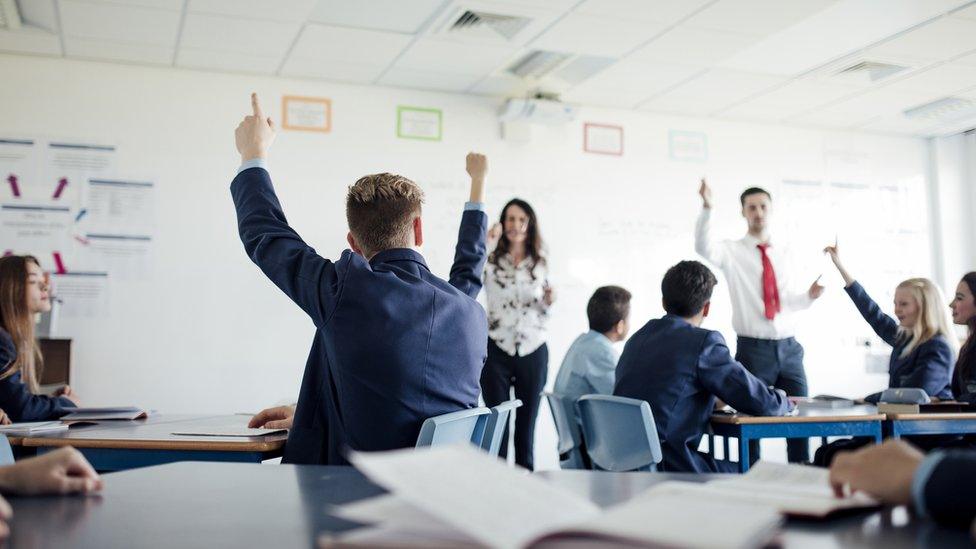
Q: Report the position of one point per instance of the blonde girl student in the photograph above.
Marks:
(23, 295)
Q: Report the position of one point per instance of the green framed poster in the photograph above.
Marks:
(419, 123)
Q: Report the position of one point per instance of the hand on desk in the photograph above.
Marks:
(4, 419)
(69, 394)
(279, 417)
(884, 472)
(62, 471)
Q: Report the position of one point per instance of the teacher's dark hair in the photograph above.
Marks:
(686, 288)
(751, 191)
(533, 238)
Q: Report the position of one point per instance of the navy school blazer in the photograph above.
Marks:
(15, 399)
(394, 344)
(679, 369)
(949, 494)
(928, 366)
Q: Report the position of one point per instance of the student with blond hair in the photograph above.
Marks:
(394, 344)
(24, 295)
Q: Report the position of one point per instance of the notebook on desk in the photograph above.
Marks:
(32, 428)
(106, 413)
(228, 432)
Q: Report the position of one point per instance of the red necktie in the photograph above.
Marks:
(770, 291)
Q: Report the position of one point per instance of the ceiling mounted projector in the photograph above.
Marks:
(538, 110)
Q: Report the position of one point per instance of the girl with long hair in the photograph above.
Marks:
(23, 295)
(516, 283)
(963, 308)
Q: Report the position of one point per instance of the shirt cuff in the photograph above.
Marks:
(253, 163)
(474, 206)
(921, 478)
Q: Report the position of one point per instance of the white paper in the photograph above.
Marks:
(81, 294)
(309, 115)
(35, 229)
(230, 432)
(418, 123)
(475, 493)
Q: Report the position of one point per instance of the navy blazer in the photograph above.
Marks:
(679, 369)
(928, 366)
(949, 495)
(394, 344)
(15, 399)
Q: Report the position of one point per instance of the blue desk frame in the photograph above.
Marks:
(746, 432)
(107, 460)
(896, 428)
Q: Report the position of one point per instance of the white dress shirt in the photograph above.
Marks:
(741, 263)
(517, 314)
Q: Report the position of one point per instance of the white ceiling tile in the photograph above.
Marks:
(882, 102)
(105, 50)
(756, 16)
(27, 40)
(172, 5)
(39, 13)
(428, 80)
(899, 125)
(826, 119)
(388, 15)
(427, 54)
(966, 13)
(618, 99)
(642, 78)
(686, 45)
(246, 36)
(226, 61)
(350, 46)
(720, 88)
(265, 10)
(588, 34)
(662, 11)
(119, 23)
(677, 104)
(943, 79)
(305, 67)
(939, 40)
(501, 84)
(790, 99)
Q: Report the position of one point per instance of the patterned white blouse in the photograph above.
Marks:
(517, 313)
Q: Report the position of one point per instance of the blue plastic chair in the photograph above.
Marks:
(6, 452)
(461, 426)
(619, 432)
(497, 422)
(563, 410)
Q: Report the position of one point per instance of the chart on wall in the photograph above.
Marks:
(63, 202)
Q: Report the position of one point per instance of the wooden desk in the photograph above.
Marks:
(206, 505)
(118, 445)
(898, 425)
(857, 421)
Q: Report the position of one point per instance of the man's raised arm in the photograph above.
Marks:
(470, 252)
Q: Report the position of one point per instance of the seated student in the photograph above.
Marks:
(276, 417)
(922, 339)
(591, 360)
(680, 368)
(60, 472)
(394, 344)
(940, 486)
(963, 308)
(23, 295)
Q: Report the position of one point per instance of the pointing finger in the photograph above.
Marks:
(256, 106)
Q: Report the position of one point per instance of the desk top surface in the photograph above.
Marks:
(195, 504)
(855, 413)
(156, 433)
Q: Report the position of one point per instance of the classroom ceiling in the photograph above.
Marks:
(892, 66)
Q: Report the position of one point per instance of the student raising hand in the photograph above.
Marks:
(477, 167)
(834, 253)
(706, 194)
(255, 134)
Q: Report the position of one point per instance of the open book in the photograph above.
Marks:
(106, 413)
(455, 495)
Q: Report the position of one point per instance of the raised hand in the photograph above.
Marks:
(494, 233)
(816, 290)
(834, 252)
(255, 134)
(477, 166)
(706, 194)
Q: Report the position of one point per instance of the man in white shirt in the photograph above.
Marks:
(763, 300)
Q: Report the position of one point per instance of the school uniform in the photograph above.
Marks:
(16, 399)
(679, 369)
(765, 301)
(589, 367)
(394, 344)
(928, 366)
(944, 488)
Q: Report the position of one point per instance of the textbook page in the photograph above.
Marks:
(475, 493)
(229, 432)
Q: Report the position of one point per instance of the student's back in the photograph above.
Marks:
(394, 344)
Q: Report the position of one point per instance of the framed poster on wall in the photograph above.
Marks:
(603, 139)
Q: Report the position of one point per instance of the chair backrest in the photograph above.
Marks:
(463, 425)
(6, 453)
(564, 416)
(495, 428)
(619, 432)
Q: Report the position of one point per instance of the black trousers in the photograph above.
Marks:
(528, 375)
(777, 362)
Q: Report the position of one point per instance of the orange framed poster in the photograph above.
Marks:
(309, 114)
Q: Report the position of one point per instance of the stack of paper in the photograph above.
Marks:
(450, 496)
(32, 428)
(106, 413)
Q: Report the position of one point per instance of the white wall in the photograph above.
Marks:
(205, 332)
